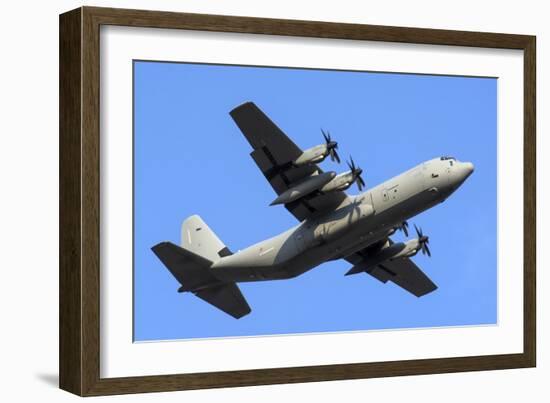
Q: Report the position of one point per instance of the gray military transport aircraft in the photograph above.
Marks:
(333, 225)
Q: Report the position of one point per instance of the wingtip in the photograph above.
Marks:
(427, 291)
(242, 313)
(244, 105)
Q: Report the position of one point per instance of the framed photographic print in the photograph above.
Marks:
(249, 201)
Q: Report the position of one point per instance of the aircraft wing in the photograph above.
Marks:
(403, 272)
(273, 152)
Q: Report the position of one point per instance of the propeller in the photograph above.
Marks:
(404, 226)
(331, 146)
(356, 174)
(423, 240)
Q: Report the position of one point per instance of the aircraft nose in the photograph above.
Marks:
(468, 168)
(463, 171)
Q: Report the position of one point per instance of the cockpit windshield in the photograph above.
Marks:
(445, 158)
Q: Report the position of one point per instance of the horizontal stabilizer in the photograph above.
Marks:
(190, 269)
(193, 273)
(226, 297)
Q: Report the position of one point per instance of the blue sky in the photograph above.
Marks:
(190, 158)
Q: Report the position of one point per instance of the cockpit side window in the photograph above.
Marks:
(445, 158)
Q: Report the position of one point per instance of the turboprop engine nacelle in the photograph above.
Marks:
(346, 179)
(311, 184)
(312, 155)
(340, 182)
(387, 252)
(318, 153)
(408, 249)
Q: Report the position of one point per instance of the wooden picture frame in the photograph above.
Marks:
(79, 281)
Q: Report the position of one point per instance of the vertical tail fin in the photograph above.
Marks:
(197, 237)
(191, 262)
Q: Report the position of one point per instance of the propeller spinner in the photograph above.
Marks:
(331, 146)
(423, 240)
(356, 174)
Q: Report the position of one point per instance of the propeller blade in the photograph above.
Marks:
(327, 138)
(405, 228)
(423, 240)
(356, 174)
(336, 157)
(418, 231)
(331, 146)
(360, 182)
(427, 249)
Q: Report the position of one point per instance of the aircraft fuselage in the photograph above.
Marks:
(360, 221)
